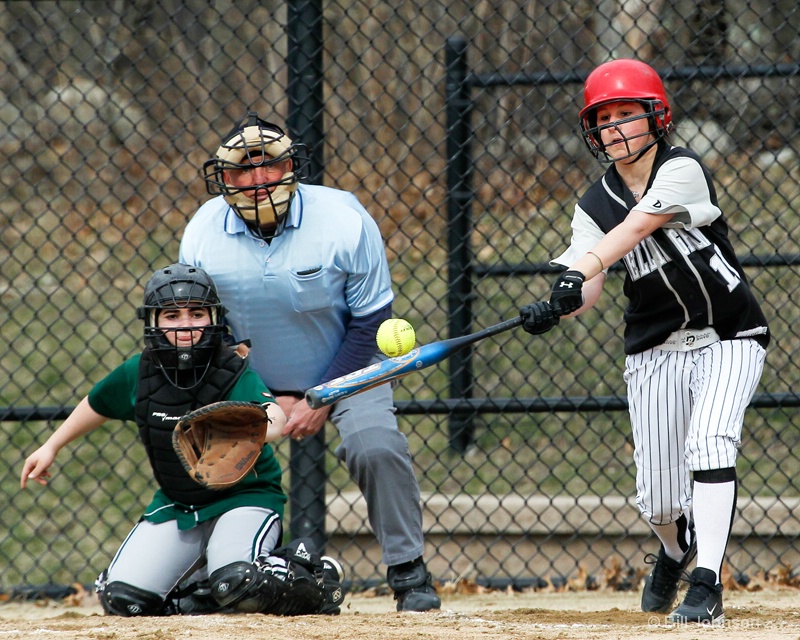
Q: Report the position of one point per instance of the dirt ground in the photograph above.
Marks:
(498, 615)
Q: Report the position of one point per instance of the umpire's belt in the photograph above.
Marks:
(688, 339)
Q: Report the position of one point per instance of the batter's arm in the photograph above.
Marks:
(81, 421)
(619, 242)
(582, 283)
(591, 291)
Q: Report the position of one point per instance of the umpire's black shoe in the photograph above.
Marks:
(413, 587)
(332, 578)
(661, 586)
(703, 600)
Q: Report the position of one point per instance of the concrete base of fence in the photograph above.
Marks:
(502, 537)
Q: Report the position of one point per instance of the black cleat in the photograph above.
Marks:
(661, 586)
(703, 601)
(413, 587)
(332, 578)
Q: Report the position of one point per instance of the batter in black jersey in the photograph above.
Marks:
(685, 273)
(695, 336)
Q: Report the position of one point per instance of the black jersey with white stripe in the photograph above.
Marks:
(686, 274)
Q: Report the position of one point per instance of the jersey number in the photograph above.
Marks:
(721, 266)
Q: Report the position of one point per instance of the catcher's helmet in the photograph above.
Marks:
(256, 142)
(624, 80)
(182, 286)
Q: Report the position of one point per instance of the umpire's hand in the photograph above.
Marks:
(538, 317)
(302, 420)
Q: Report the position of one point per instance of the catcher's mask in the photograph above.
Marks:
(624, 80)
(182, 286)
(254, 142)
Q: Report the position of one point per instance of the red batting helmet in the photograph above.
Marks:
(624, 80)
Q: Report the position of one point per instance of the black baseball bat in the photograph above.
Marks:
(394, 368)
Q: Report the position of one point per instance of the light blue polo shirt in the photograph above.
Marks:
(292, 298)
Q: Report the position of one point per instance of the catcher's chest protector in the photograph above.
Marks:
(159, 406)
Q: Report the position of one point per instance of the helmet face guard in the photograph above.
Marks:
(257, 143)
(624, 81)
(183, 287)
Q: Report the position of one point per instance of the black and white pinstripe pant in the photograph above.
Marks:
(687, 411)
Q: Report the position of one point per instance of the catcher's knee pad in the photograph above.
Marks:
(122, 599)
(236, 585)
(247, 588)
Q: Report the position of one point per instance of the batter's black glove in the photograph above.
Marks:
(538, 317)
(567, 294)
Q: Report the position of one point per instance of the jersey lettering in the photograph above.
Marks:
(721, 266)
(645, 258)
(687, 240)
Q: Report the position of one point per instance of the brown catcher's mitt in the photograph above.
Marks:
(218, 444)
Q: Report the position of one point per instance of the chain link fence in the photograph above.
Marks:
(522, 447)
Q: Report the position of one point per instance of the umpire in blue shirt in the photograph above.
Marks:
(303, 274)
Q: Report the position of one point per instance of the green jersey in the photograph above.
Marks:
(115, 397)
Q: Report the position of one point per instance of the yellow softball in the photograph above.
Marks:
(396, 337)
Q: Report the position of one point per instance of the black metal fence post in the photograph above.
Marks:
(459, 228)
(307, 458)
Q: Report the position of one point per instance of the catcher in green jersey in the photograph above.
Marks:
(196, 549)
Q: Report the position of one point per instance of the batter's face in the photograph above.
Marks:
(259, 175)
(625, 128)
(185, 318)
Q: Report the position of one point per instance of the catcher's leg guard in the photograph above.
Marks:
(303, 595)
(242, 587)
(302, 569)
(195, 599)
(249, 588)
(292, 581)
(122, 599)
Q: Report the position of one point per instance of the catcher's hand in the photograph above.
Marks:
(218, 444)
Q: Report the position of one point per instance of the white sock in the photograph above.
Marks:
(713, 505)
(668, 534)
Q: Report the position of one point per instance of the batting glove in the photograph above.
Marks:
(538, 317)
(567, 294)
